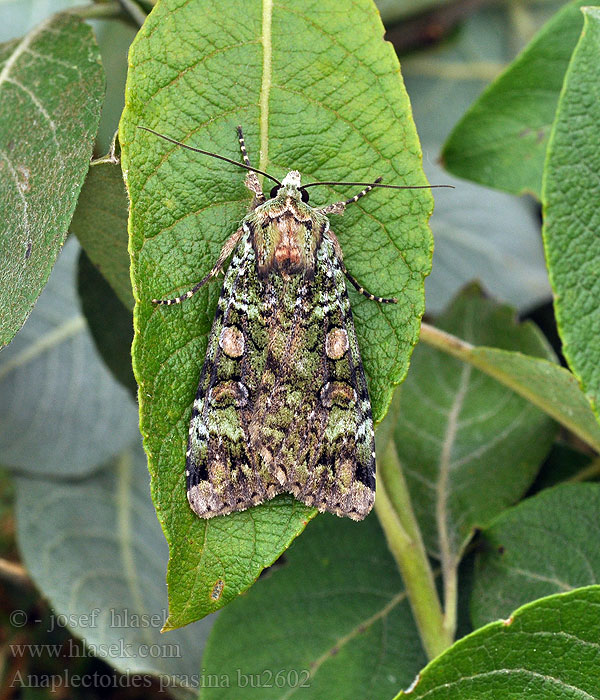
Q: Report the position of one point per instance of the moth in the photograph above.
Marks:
(282, 404)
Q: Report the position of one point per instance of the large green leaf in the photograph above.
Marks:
(548, 649)
(469, 446)
(571, 216)
(51, 88)
(501, 141)
(95, 549)
(547, 544)
(61, 412)
(336, 111)
(336, 614)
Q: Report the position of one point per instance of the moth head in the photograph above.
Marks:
(290, 187)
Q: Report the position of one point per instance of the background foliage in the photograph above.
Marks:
(486, 515)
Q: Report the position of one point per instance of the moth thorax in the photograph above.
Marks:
(289, 254)
(292, 179)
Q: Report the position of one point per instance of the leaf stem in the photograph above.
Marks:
(444, 341)
(450, 574)
(403, 536)
(104, 10)
(134, 11)
(14, 572)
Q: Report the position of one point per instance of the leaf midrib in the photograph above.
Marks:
(443, 480)
(265, 85)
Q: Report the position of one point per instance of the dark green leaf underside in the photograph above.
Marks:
(100, 224)
(109, 322)
(565, 463)
(468, 445)
(323, 622)
(547, 544)
(51, 89)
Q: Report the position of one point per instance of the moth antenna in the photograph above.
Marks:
(209, 153)
(376, 184)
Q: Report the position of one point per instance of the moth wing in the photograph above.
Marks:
(222, 476)
(334, 469)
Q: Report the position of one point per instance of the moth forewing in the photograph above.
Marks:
(282, 404)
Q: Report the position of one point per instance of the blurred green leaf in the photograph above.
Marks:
(479, 233)
(337, 614)
(547, 649)
(100, 224)
(571, 216)
(488, 236)
(18, 17)
(51, 89)
(61, 412)
(355, 123)
(443, 80)
(95, 549)
(114, 39)
(110, 323)
(501, 141)
(469, 446)
(547, 544)
(546, 384)
(393, 11)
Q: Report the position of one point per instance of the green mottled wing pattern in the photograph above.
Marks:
(222, 475)
(282, 403)
(312, 412)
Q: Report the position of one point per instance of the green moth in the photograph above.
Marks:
(282, 404)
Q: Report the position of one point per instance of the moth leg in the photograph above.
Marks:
(339, 207)
(251, 181)
(361, 290)
(226, 251)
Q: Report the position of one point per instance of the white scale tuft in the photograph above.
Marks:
(291, 179)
